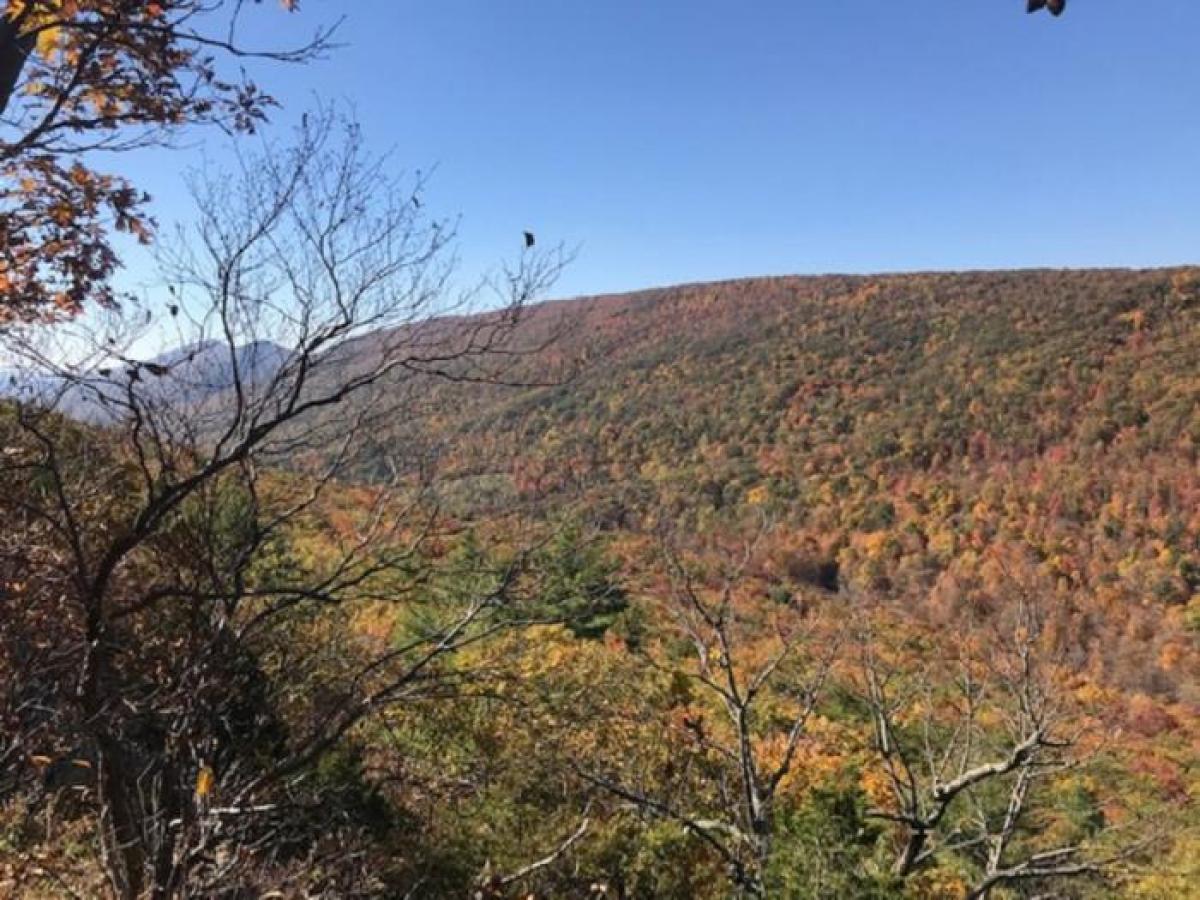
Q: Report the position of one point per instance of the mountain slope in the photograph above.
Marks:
(900, 430)
(184, 377)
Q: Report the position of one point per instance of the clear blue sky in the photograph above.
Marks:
(682, 141)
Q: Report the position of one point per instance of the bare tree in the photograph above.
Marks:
(493, 885)
(967, 741)
(739, 675)
(158, 633)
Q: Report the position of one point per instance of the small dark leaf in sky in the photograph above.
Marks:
(1056, 7)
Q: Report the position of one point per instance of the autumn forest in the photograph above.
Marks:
(323, 575)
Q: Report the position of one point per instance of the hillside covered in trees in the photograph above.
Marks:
(785, 587)
(895, 429)
(944, 447)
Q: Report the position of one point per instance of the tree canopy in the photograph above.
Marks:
(79, 78)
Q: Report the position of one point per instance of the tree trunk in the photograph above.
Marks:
(120, 832)
(913, 846)
(168, 874)
(14, 50)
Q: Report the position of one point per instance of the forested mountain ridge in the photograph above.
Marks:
(895, 428)
(842, 375)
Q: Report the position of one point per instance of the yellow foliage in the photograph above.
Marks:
(875, 543)
(876, 786)
(1091, 693)
(943, 543)
(47, 42)
(1136, 318)
(939, 884)
(1178, 876)
(1170, 655)
(205, 779)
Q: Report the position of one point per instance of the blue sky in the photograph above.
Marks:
(682, 141)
